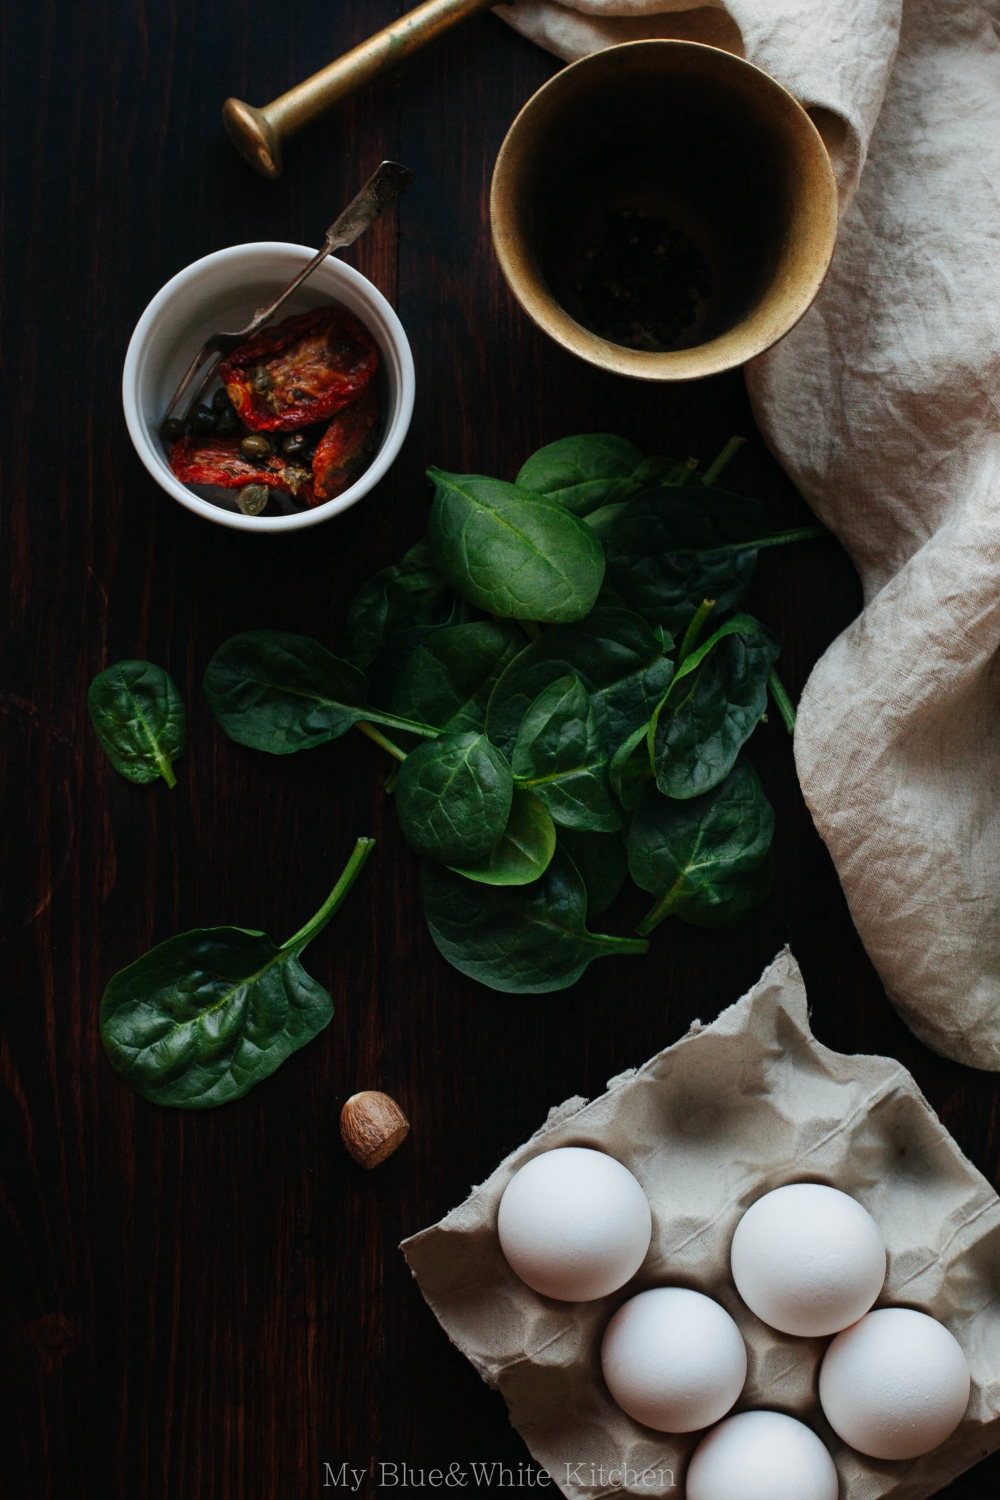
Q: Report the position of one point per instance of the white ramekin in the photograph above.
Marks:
(221, 291)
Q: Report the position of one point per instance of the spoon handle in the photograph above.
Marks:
(387, 184)
(384, 187)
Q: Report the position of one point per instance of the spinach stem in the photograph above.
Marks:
(619, 944)
(713, 471)
(691, 468)
(531, 629)
(656, 914)
(693, 631)
(349, 875)
(779, 538)
(782, 702)
(165, 769)
(378, 738)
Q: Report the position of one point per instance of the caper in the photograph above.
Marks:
(294, 444)
(220, 400)
(261, 379)
(295, 478)
(172, 430)
(227, 422)
(202, 419)
(256, 446)
(252, 498)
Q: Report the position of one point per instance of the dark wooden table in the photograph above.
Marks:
(212, 1306)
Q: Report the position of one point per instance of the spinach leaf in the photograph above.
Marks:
(581, 473)
(281, 693)
(558, 756)
(453, 798)
(524, 940)
(140, 720)
(616, 655)
(524, 851)
(750, 892)
(448, 678)
(201, 1018)
(712, 707)
(510, 553)
(672, 547)
(602, 863)
(631, 768)
(695, 856)
(410, 592)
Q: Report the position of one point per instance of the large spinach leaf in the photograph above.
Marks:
(712, 707)
(524, 940)
(671, 547)
(447, 680)
(582, 473)
(281, 693)
(140, 720)
(511, 553)
(453, 798)
(558, 756)
(524, 851)
(617, 656)
(201, 1018)
(696, 856)
(412, 592)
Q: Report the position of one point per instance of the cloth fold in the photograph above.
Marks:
(883, 407)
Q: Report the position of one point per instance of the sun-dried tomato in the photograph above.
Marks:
(303, 370)
(346, 445)
(219, 461)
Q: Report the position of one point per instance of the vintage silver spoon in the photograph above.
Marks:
(380, 192)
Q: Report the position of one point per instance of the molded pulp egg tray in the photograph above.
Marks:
(708, 1126)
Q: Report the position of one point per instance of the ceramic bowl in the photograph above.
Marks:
(221, 291)
(694, 147)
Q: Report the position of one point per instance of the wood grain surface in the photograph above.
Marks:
(212, 1306)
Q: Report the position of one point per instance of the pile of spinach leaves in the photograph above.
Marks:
(565, 674)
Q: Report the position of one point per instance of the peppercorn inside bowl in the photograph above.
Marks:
(299, 422)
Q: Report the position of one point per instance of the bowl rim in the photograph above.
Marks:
(726, 351)
(394, 434)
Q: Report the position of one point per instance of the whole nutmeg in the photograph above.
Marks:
(371, 1126)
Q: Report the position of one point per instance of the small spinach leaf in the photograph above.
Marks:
(201, 1018)
(410, 592)
(140, 720)
(448, 678)
(581, 473)
(558, 756)
(695, 856)
(616, 655)
(712, 707)
(524, 940)
(602, 862)
(631, 768)
(453, 798)
(281, 693)
(511, 553)
(524, 851)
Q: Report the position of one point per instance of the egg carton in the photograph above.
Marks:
(707, 1126)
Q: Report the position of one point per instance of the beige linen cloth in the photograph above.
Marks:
(883, 407)
(708, 1126)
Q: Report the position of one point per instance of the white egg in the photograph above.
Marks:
(761, 1455)
(673, 1359)
(807, 1259)
(574, 1224)
(895, 1385)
